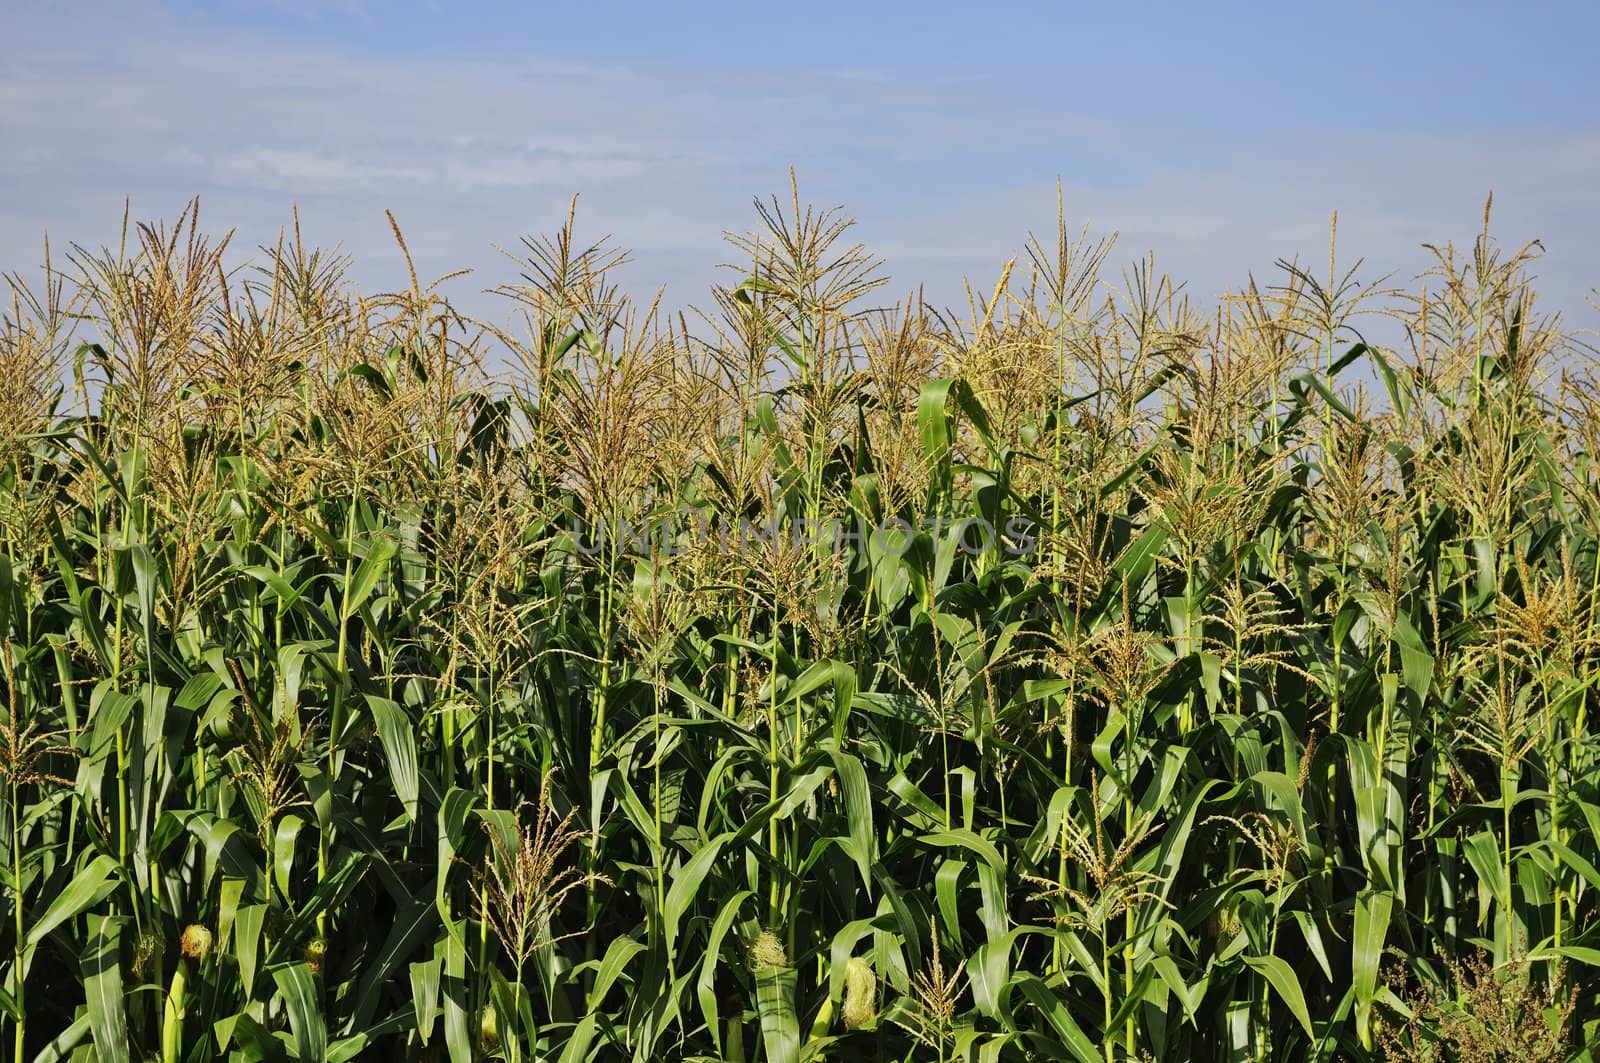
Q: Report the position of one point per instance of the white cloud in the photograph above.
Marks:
(948, 176)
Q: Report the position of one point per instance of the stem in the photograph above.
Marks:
(336, 715)
(597, 724)
(1507, 797)
(660, 853)
(1554, 788)
(173, 1015)
(20, 927)
(1105, 973)
(773, 908)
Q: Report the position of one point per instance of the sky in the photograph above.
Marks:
(1219, 136)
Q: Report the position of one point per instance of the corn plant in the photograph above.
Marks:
(1079, 674)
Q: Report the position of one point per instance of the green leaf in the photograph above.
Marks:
(577, 1047)
(367, 575)
(1590, 957)
(256, 1039)
(1070, 1034)
(933, 428)
(686, 881)
(965, 839)
(989, 972)
(1483, 853)
(299, 989)
(1373, 911)
(348, 1048)
(425, 994)
(88, 887)
(283, 850)
(101, 968)
(857, 797)
(247, 943)
(618, 953)
(705, 984)
(65, 1044)
(780, 1026)
(457, 1039)
(399, 750)
(416, 919)
(1283, 981)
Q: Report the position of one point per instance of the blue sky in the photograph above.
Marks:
(1220, 136)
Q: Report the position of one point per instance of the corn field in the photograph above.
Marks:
(1072, 675)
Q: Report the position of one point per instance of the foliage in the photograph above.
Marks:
(367, 697)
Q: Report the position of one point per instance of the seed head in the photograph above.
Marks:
(489, 1029)
(147, 954)
(766, 951)
(316, 954)
(196, 942)
(860, 993)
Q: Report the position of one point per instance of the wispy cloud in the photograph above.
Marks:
(948, 172)
(1215, 221)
